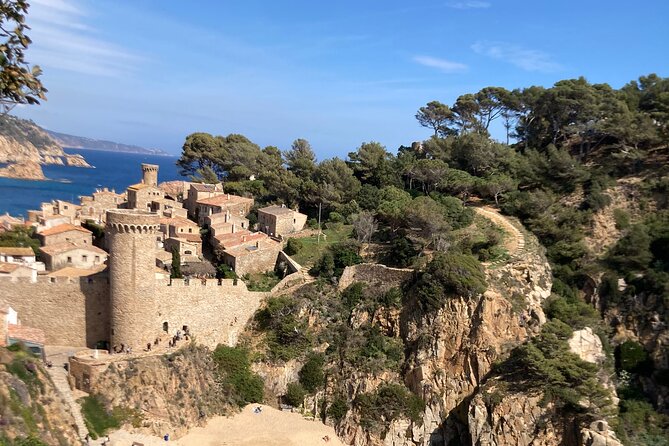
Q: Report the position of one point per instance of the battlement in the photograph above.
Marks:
(234, 285)
(94, 280)
(135, 229)
(149, 167)
(133, 221)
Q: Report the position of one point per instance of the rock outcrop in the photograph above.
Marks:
(174, 392)
(24, 143)
(27, 170)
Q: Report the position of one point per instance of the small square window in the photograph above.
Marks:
(84, 258)
(69, 260)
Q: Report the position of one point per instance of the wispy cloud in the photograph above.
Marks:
(443, 65)
(63, 40)
(527, 59)
(469, 5)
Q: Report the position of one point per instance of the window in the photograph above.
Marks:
(166, 327)
(190, 230)
(65, 207)
(69, 259)
(97, 258)
(188, 252)
(84, 258)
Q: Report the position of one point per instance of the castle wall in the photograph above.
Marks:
(213, 313)
(70, 310)
(381, 277)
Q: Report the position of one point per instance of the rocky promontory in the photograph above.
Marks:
(24, 171)
(24, 146)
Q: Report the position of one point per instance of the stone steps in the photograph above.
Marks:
(59, 378)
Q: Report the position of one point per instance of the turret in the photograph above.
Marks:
(131, 238)
(150, 174)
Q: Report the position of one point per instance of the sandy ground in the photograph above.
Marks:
(271, 427)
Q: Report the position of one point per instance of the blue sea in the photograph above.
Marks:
(112, 169)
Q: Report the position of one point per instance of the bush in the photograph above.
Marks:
(336, 258)
(337, 409)
(402, 252)
(622, 219)
(311, 375)
(98, 419)
(336, 217)
(287, 336)
(353, 295)
(389, 402)
(242, 385)
(446, 276)
(295, 394)
(632, 357)
(293, 246)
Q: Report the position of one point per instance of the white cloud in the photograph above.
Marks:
(469, 5)
(62, 40)
(444, 65)
(527, 59)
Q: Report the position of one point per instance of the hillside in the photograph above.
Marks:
(81, 142)
(24, 146)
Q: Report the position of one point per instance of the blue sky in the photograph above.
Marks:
(336, 73)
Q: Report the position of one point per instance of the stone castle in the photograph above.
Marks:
(130, 304)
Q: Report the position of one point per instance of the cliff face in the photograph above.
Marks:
(29, 403)
(173, 393)
(23, 142)
(27, 170)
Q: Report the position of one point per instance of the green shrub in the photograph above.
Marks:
(293, 246)
(353, 295)
(449, 275)
(242, 385)
(27, 441)
(622, 219)
(98, 419)
(336, 217)
(295, 394)
(287, 336)
(572, 311)
(389, 402)
(311, 375)
(632, 357)
(337, 409)
(402, 252)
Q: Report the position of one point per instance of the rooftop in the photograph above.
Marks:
(240, 237)
(225, 199)
(60, 248)
(6, 268)
(245, 248)
(177, 221)
(16, 251)
(65, 227)
(138, 186)
(203, 187)
(23, 333)
(69, 271)
(192, 238)
(276, 210)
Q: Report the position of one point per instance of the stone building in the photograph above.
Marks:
(225, 223)
(65, 233)
(200, 191)
(74, 255)
(279, 221)
(95, 207)
(189, 247)
(234, 204)
(248, 252)
(146, 195)
(178, 226)
(17, 255)
(18, 270)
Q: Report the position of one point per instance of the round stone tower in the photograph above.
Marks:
(150, 174)
(131, 239)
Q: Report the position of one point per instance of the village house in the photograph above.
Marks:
(248, 252)
(18, 270)
(69, 254)
(17, 255)
(44, 220)
(19, 262)
(225, 223)
(279, 221)
(65, 233)
(176, 226)
(200, 191)
(189, 246)
(236, 205)
(95, 207)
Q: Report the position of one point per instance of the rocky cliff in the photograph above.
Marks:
(25, 143)
(26, 170)
(29, 404)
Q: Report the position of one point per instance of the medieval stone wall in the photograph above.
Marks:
(379, 276)
(70, 310)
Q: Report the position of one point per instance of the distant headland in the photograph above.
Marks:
(81, 142)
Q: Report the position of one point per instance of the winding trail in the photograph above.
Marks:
(515, 243)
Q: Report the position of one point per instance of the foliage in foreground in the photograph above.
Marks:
(388, 402)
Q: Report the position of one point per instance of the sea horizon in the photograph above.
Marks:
(113, 170)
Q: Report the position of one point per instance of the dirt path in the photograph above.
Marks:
(515, 241)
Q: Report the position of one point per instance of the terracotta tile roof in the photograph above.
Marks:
(193, 238)
(240, 237)
(202, 187)
(138, 186)
(16, 251)
(69, 271)
(6, 268)
(247, 248)
(60, 248)
(66, 227)
(23, 333)
(180, 221)
(224, 199)
(276, 210)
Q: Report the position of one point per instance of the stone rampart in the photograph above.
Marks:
(214, 311)
(70, 310)
(381, 277)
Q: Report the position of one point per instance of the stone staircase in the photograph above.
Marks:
(59, 378)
